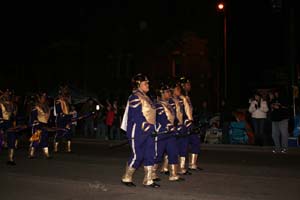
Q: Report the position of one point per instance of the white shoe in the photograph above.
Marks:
(275, 151)
(283, 151)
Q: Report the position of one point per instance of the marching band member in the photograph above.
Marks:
(183, 124)
(194, 140)
(62, 111)
(139, 123)
(166, 142)
(39, 121)
(6, 124)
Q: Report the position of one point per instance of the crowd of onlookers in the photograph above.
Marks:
(268, 120)
(105, 123)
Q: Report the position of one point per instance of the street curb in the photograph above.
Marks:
(216, 147)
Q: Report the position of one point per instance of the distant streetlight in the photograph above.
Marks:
(221, 8)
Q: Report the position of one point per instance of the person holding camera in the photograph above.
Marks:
(280, 118)
(258, 109)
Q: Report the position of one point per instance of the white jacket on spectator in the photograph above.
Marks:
(258, 113)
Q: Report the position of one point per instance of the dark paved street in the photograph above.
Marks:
(93, 171)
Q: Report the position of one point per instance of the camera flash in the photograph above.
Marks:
(97, 107)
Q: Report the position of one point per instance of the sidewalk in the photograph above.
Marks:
(214, 147)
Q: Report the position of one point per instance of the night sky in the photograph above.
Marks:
(60, 37)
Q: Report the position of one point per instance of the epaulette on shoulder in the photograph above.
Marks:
(134, 101)
(172, 102)
(160, 109)
(159, 106)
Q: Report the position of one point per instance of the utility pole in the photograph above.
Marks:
(221, 8)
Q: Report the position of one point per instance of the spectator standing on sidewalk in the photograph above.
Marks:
(100, 123)
(87, 108)
(115, 129)
(280, 117)
(258, 109)
(110, 116)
